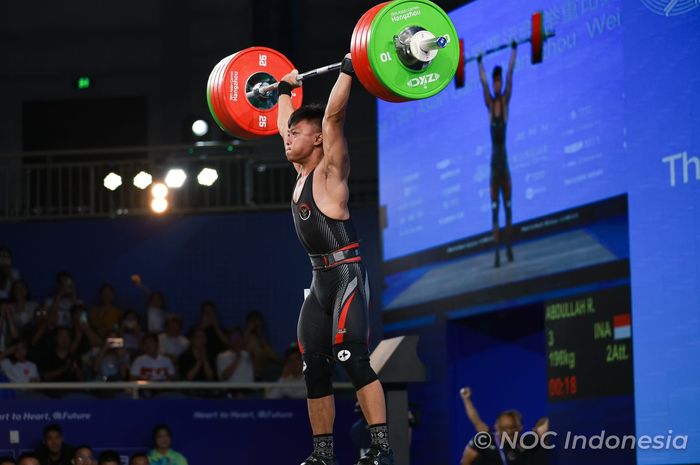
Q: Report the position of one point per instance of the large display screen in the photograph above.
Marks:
(564, 134)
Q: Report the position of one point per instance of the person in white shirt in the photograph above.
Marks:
(22, 306)
(64, 299)
(19, 370)
(172, 343)
(292, 384)
(152, 366)
(235, 365)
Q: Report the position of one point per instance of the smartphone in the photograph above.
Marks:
(83, 317)
(115, 342)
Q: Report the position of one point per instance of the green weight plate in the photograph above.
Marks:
(385, 62)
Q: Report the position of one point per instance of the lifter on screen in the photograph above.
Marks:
(497, 105)
(334, 320)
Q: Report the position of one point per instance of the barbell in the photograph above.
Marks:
(538, 36)
(401, 50)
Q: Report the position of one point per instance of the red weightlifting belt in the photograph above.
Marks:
(348, 254)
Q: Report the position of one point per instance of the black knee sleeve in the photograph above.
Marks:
(494, 211)
(318, 373)
(355, 359)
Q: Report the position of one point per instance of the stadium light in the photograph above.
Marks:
(207, 177)
(143, 180)
(112, 181)
(159, 190)
(200, 128)
(175, 178)
(159, 205)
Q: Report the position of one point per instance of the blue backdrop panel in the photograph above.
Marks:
(205, 431)
(662, 76)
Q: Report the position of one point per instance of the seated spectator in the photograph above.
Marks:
(155, 312)
(209, 322)
(109, 457)
(131, 331)
(112, 361)
(235, 365)
(84, 337)
(105, 316)
(53, 450)
(64, 298)
(61, 364)
(28, 458)
(162, 454)
(43, 340)
(83, 455)
(15, 365)
(195, 363)
(137, 459)
(151, 366)
(7, 460)
(8, 330)
(172, 343)
(292, 377)
(257, 344)
(22, 307)
(155, 307)
(7, 274)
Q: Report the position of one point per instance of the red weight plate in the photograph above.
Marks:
(378, 88)
(537, 38)
(220, 91)
(360, 59)
(213, 89)
(459, 76)
(232, 127)
(253, 122)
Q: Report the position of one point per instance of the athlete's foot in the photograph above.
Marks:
(318, 460)
(497, 260)
(509, 253)
(375, 456)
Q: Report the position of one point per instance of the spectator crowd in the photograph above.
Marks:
(65, 339)
(53, 450)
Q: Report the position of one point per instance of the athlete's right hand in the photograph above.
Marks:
(291, 78)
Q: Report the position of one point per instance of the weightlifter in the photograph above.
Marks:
(334, 320)
(497, 105)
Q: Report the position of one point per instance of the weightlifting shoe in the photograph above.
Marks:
(375, 456)
(318, 460)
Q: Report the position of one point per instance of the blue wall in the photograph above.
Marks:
(237, 431)
(241, 261)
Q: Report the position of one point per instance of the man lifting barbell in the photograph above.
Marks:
(497, 105)
(334, 320)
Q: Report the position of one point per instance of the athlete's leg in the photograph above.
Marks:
(350, 345)
(495, 188)
(507, 195)
(312, 330)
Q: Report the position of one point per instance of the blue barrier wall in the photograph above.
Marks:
(205, 431)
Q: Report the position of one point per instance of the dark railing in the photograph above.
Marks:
(69, 184)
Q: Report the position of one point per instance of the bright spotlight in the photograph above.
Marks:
(175, 178)
(200, 128)
(159, 205)
(207, 177)
(159, 190)
(143, 180)
(112, 181)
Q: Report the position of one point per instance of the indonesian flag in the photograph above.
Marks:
(622, 325)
